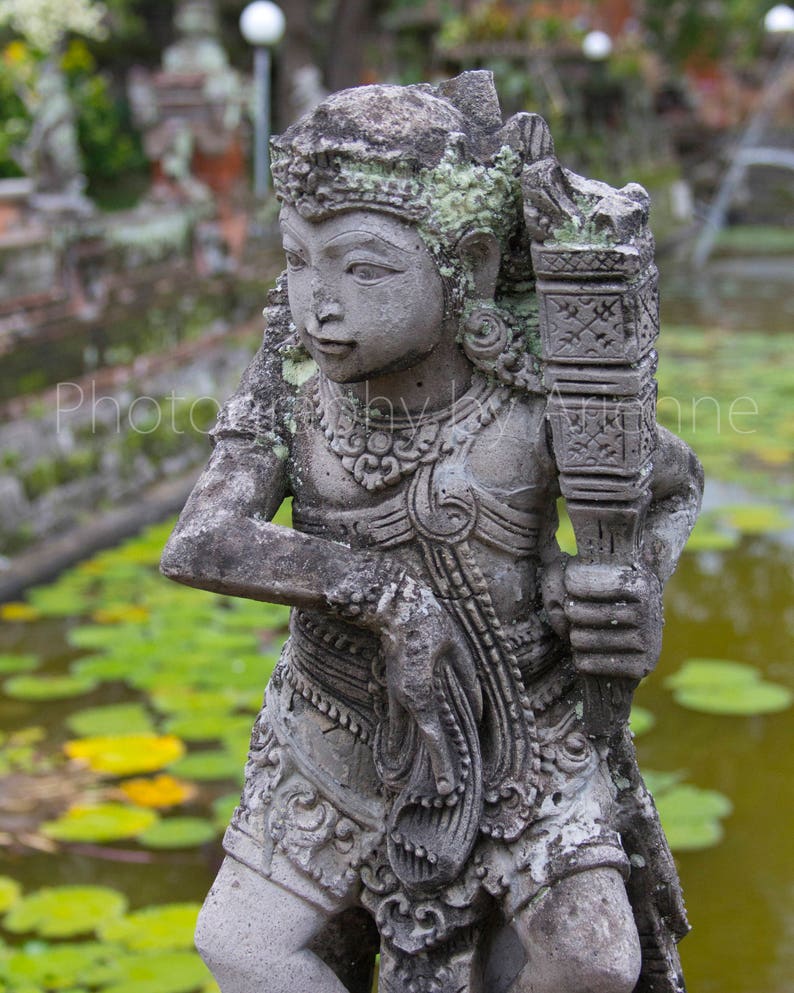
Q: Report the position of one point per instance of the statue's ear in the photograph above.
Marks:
(481, 255)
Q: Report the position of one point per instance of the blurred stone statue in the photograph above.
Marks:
(442, 769)
(51, 155)
(190, 112)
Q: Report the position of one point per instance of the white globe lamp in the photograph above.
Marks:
(597, 45)
(262, 24)
(779, 19)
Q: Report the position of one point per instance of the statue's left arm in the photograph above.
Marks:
(676, 491)
(612, 614)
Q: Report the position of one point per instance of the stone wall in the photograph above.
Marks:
(99, 441)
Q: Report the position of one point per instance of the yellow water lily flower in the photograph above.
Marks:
(125, 754)
(18, 611)
(120, 614)
(158, 792)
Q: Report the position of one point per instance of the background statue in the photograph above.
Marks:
(50, 155)
(464, 329)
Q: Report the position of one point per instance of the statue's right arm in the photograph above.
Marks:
(224, 541)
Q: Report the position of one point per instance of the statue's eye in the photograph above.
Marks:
(294, 261)
(368, 272)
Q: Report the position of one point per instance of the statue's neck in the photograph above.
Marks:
(433, 383)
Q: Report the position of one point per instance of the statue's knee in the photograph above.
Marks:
(582, 937)
(211, 935)
(230, 930)
(567, 965)
(614, 969)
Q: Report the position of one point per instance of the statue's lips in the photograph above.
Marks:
(331, 346)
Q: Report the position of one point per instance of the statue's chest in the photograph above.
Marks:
(476, 474)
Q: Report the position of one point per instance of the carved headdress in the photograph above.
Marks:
(438, 156)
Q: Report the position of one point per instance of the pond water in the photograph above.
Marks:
(731, 598)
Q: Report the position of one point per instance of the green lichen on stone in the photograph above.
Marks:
(582, 230)
(461, 195)
(297, 367)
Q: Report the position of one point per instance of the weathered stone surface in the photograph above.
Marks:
(465, 330)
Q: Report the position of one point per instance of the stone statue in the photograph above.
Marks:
(51, 156)
(190, 112)
(442, 767)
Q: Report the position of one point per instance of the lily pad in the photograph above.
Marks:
(173, 700)
(720, 686)
(10, 892)
(209, 766)
(166, 927)
(255, 616)
(658, 782)
(178, 832)
(18, 663)
(48, 687)
(99, 636)
(641, 720)
(100, 823)
(706, 536)
(64, 911)
(115, 718)
(55, 967)
(103, 668)
(130, 613)
(124, 754)
(566, 538)
(16, 611)
(755, 518)
(157, 972)
(691, 817)
(158, 792)
(223, 807)
(59, 600)
(199, 727)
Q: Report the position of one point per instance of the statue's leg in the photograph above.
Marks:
(253, 935)
(579, 937)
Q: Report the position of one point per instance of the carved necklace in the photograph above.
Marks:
(379, 449)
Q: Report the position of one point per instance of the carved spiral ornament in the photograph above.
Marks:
(485, 335)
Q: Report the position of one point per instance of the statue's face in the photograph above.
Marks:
(364, 292)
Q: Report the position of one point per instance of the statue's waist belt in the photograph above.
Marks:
(336, 659)
(337, 662)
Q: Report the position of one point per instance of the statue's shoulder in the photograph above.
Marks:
(514, 447)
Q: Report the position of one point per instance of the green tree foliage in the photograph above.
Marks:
(687, 30)
(108, 143)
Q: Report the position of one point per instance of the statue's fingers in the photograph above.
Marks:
(461, 663)
(439, 748)
(631, 665)
(586, 614)
(599, 582)
(604, 641)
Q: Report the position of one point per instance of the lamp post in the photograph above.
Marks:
(262, 25)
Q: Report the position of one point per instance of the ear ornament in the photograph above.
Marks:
(486, 334)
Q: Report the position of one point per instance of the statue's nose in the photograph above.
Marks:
(324, 307)
(327, 310)
(321, 311)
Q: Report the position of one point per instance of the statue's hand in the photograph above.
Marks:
(420, 640)
(614, 615)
